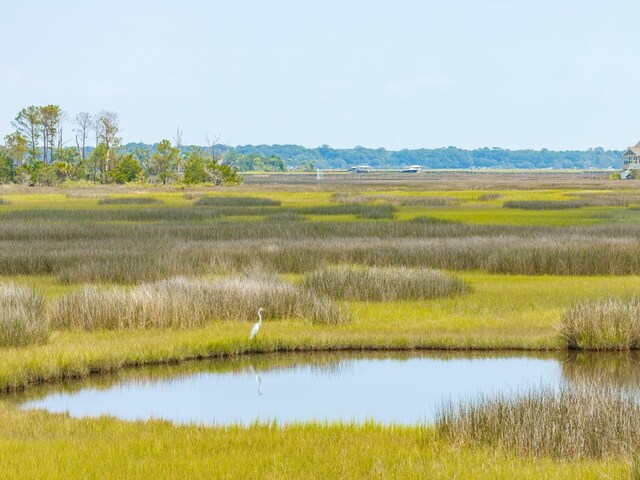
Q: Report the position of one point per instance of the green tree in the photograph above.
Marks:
(50, 117)
(195, 168)
(16, 147)
(69, 155)
(43, 174)
(229, 175)
(97, 159)
(6, 167)
(28, 123)
(107, 126)
(63, 170)
(15, 150)
(128, 169)
(163, 161)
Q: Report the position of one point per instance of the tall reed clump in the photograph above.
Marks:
(382, 284)
(129, 201)
(23, 316)
(609, 324)
(584, 422)
(182, 303)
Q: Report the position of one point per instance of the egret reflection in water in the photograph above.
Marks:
(258, 379)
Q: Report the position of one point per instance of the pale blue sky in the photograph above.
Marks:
(561, 74)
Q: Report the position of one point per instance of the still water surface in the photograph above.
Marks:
(387, 388)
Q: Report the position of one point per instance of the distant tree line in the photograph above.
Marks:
(297, 156)
(36, 153)
(279, 158)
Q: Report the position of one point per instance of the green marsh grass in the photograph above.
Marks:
(383, 284)
(235, 202)
(397, 200)
(543, 204)
(579, 422)
(364, 211)
(284, 217)
(426, 220)
(38, 445)
(606, 324)
(488, 197)
(129, 201)
(23, 316)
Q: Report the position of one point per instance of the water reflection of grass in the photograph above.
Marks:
(616, 369)
(322, 363)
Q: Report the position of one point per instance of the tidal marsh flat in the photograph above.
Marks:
(432, 261)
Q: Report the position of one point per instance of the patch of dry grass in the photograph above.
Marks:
(182, 303)
(383, 284)
(23, 316)
(583, 422)
(609, 324)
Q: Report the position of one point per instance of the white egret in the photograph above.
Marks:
(256, 327)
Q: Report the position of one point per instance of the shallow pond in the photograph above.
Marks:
(388, 388)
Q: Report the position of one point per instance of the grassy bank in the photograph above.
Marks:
(499, 312)
(36, 445)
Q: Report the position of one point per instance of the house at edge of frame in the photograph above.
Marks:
(631, 162)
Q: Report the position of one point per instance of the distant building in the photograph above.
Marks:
(631, 158)
(361, 169)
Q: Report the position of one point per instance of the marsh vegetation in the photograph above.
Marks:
(23, 316)
(579, 422)
(97, 287)
(383, 284)
(604, 324)
(183, 303)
